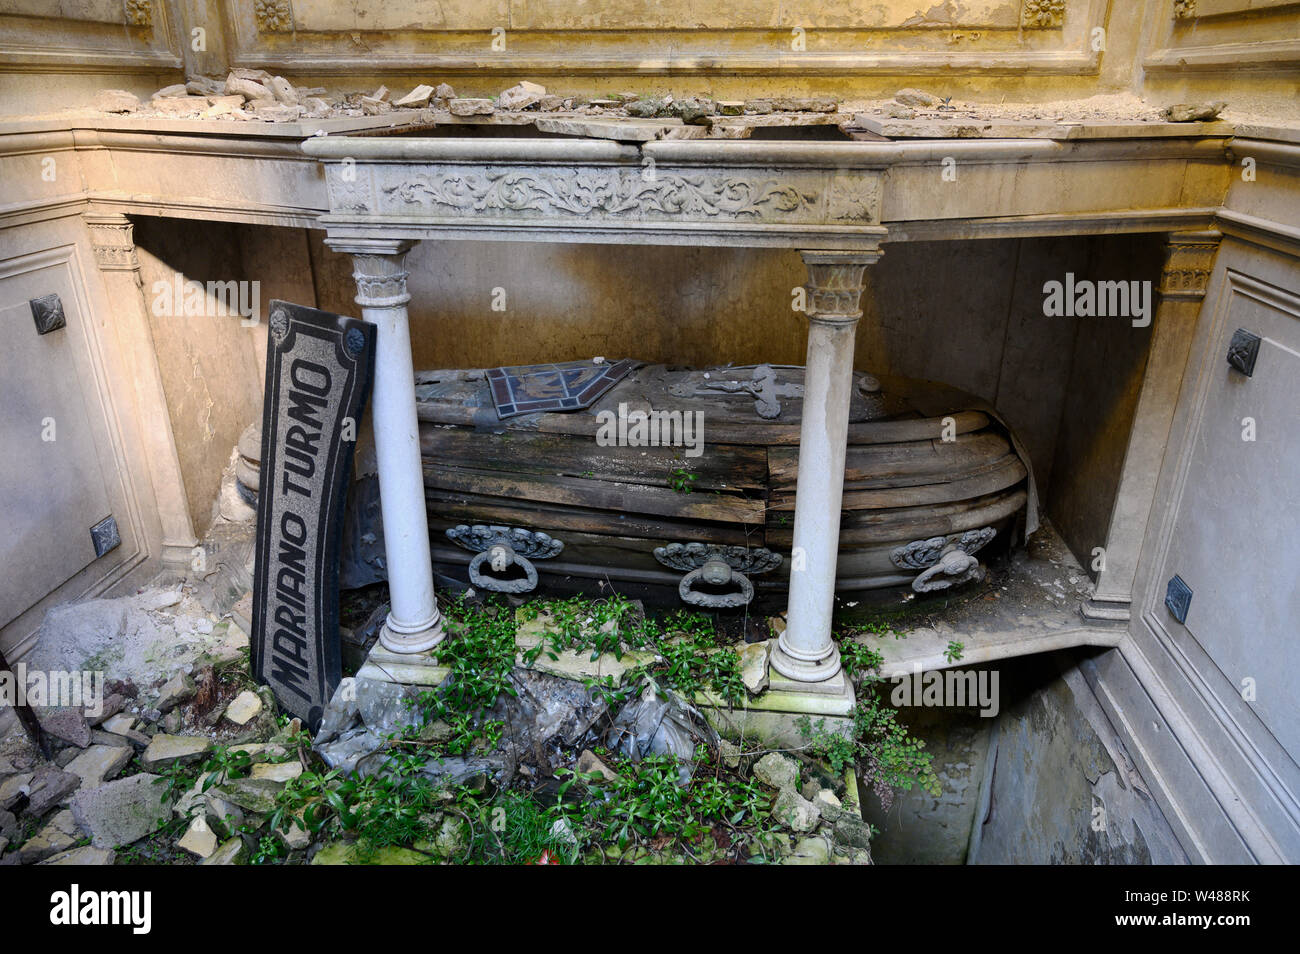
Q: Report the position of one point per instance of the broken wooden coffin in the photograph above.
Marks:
(680, 482)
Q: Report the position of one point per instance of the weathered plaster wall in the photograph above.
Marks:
(1044, 781)
(920, 829)
(212, 365)
(1100, 397)
(1063, 789)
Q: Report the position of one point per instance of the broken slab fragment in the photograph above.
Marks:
(165, 750)
(521, 96)
(67, 724)
(199, 839)
(89, 855)
(915, 97)
(230, 853)
(245, 707)
(777, 770)
(1194, 112)
(247, 88)
(59, 834)
(121, 812)
(178, 689)
(416, 98)
(282, 90)
(48, 787)
(471, 107)
(99, 763)
(753, 658)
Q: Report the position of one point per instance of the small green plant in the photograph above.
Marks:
(647, 800)
(682, 480)
(953, 651)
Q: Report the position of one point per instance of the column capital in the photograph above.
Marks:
(379, 267)
(835, 283)
(1189, 259)
(112, 238)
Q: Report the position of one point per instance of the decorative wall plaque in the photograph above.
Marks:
(1178, 598)
(1243, 351)
(47, 312)
(318, 371)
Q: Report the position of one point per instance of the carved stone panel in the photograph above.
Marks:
(575, 194)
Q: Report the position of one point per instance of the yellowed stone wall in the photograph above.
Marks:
(979, 50)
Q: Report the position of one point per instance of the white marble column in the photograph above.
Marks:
(112, 239)
(414, 623)
(1189, 259)
(805, 652)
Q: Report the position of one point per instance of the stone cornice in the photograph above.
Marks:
(685, 192)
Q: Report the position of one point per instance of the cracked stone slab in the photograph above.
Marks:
(123, 811)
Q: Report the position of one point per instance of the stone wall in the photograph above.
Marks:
(993, 50)
(1045, 781)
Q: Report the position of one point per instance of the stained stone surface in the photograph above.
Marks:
(89, 855)
(99, 763)
(124, 811)
(165, 750)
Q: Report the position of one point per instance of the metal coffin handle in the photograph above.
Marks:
(498, 548)
(716, 566)
(946, 561)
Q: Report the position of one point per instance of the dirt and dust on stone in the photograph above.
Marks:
(244, 95)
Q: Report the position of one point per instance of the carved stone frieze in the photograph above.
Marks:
(1184, 9)
(605, 193)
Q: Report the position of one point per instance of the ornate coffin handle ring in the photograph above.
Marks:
(946, 561)
(716, 567)
(499, 547)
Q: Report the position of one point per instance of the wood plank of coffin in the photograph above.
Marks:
(599, 494)
(863, 527)
(882, 463)
(724, 467)
(1006, 474)
(454, 508)
(588, 555)
(860, 432)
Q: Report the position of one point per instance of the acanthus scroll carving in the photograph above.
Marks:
(582, 192)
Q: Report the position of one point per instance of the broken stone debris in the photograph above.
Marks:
(1194, 112)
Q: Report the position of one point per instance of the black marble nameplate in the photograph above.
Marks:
(318, 370)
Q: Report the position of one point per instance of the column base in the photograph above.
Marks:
(810, 675)
(1106, 611)
(403, 639)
